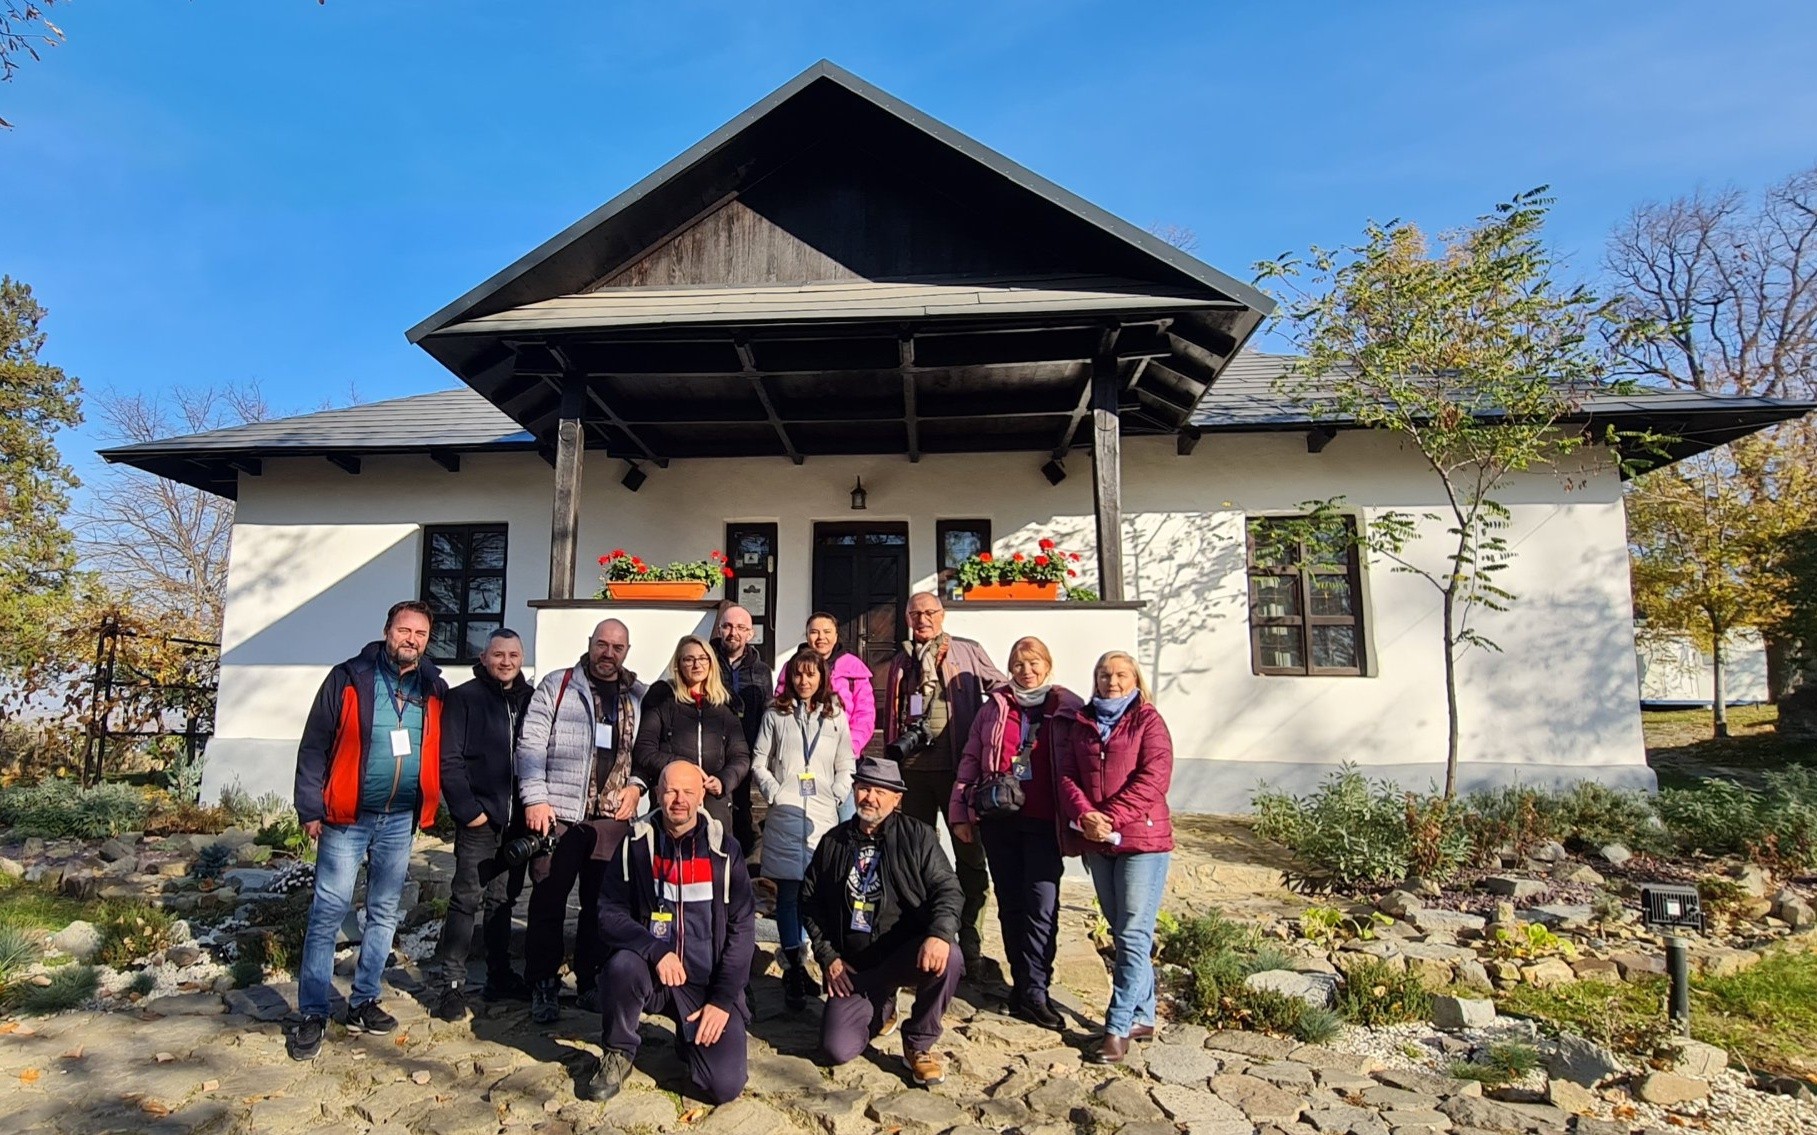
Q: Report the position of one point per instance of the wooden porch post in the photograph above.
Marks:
(1107, 477)
(564, 524)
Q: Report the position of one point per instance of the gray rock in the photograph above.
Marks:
(187, 1005)
(1698, 1060)
(1514, 886)
(1581, 1061)
(749, 1116)
(260, 1002)
(1316, 989)
(1753, 879)
(11, 868)
(1417, 1122)
(249, 879)
(1790, 908)
(1343, 1119)
(1202, 1112)
(1472, 973)
(1399, 1099)
(1462, 1012)
(187, 954)
(1615, 853)
(1258, 1045)
(1178, 1064)
(1547, 973)
(1191, 1036)
(1284, 1074)
(1399, 904)
(1550, 851)
(80, 940)
(1490, 1115)
(115, 850)
(1434, 921)
(1586, 1125)
(1428, 1083)
(842, 1112)
(1262, 1102)
(1057, 1097)
(1668, 1088)
(1555, 915)
(1574, 1098)
(1127, 1098)
(1577, 874)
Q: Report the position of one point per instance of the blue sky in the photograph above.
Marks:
(221, 190)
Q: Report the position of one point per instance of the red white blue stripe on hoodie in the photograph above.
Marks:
(683, 879)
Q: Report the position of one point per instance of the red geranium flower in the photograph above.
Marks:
(1074, 556)
(605, 560)
(984, 557)
(1040, 561)
(617, 552)
(1018, 557)
(1070, 571)
(1047, 545)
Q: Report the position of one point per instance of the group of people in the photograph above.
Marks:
(642, 795)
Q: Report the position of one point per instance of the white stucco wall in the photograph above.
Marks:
(318, 555)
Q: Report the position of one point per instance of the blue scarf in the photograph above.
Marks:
(1109, 711)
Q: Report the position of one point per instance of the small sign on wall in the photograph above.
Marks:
(754, 595)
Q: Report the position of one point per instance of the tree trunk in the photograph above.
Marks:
(1450, 694)
(1719, 707)
(1782, 666)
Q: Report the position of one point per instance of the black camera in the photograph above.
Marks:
(913, 739)
(516, 853)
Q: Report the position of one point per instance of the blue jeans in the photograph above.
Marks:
(382, 843)
(788, 913)
(1129, 894)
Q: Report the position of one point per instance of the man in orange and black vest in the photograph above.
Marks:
(368, 773)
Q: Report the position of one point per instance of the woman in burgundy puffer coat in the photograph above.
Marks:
(1116, 762)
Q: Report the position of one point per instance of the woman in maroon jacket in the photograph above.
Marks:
(1116, 761)
(1010, 741)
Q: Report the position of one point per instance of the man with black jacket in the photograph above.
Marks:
(481, 723)
(880, 904)
(676, 912)
(753, 687)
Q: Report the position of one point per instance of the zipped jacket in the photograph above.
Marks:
(856, 690)
(556, 756)
(990, 750)
(480, 723)
(627, 897)
(921, 894)
(710, 736)
(967, 673)
(337, 735)
(1126, 778)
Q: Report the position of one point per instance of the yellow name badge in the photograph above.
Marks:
(660, 921)
(807, 783)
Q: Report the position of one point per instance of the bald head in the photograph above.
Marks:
(926, 616)
(608, 649)
(680, 790)
(735, 631)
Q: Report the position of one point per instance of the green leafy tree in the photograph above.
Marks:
(1473, 354)
(24, 30)
(37, 552)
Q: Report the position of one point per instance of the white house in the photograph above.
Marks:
(835, 293)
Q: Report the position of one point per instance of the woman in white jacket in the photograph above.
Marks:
(802, 764)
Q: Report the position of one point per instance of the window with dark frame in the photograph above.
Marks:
(958, 541)
(464, 585)
(1305, 596)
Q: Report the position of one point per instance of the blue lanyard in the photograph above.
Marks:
(808, 747)
(394, 695)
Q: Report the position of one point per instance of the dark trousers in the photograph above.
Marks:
(629, 989)
(467, 896)
(744, 827)
(929, 791)
(555, 875)
(1024, 857)
(848, 1023)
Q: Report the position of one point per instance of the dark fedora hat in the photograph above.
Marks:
(879, 772)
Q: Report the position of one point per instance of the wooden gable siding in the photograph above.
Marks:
(827, 217)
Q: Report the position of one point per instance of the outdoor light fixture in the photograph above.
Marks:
(1054, 471)
(1674, 908)
(634, 478)
(858, 495)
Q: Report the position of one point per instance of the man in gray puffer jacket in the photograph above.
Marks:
(574, 776)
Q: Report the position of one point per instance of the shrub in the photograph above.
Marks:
(1217, 954)
(19, 949)
(58, 809)
(1628, 1017)
(130, 931)
(1376, 993)
(212, 862)
(172, 816)
(278, 944)
(70, 987)
(246, 972)
(1776, 825)
(285, 833)
(1498, 1065)
(142, 983)
(1362, 832)
(1513, 816)
(1184, 942)
(1589, 814)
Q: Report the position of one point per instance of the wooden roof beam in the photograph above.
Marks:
(345, 462)
(605, 408)
(748, 362)
(905, 351)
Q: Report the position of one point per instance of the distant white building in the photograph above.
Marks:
(1675, 671)
(833, 293)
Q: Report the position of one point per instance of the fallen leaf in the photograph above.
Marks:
(693, 1115)
(419, 1077)
(9, 1027)
(210, 1085)
(402, 1039)
(29, 1076)
(154, 1107)
(74, 1053)
(164, 1057)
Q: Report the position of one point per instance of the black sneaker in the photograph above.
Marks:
(795, 988)
(587, 1000)
(452, 1006)
(506, 985)
(1039, 1013)
(369, 1018)
(305, 1040)
(545, 1001)
(614, 1067)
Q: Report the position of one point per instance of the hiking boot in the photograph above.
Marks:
(926, 1068)
(890, 1017)
(614, 1068)
(452, 1006)
(588, 1000)
(369, 1018)
(545, 1001)
(1142, 1032)
(795, 983)
(1038, 1012)
(1112, 1049)
(506, 985)
(305, 1040)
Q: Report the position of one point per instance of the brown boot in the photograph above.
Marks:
(1112, 1049)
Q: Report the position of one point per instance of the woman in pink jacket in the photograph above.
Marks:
(1011, 741)
(1116, 763)
(851, 683)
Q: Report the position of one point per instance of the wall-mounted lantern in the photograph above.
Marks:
(858, 495)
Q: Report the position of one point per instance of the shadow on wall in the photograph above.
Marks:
(1180, 565)
(329, 590)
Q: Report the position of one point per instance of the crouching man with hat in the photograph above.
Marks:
(880, 904)
(677, 918)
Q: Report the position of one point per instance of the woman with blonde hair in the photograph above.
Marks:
(802, 765)
(688, 716)
(1116, 763)
(1004, 795)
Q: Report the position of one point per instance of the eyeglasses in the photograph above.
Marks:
(925, 614)
(694, 660)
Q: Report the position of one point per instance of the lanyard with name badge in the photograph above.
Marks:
(863, 911)
(806, 776)
(400, 736)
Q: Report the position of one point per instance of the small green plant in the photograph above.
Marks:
(1499, 1064)
(246, 972)
(131, 931)
(141, 984)
(20, 947)
(70, 987)
(1326, 926)
(212, 863)
(1362, 833)
(1529, 940)
(1209, 933)
(285, 833)
(1628, 1016)
(1376, 993)
(1080, 595)
(60, 809)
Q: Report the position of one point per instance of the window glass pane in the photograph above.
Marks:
(486, 595)
(961, 544)
(1279, 648)
(1329, 547)
(1274, 596)
(447, 551)
(1334, 647)
(1272, 546)
(751, 549)
(488, 551)
(443, 639)
(444, 596)
(1331, 595)
(477, 634)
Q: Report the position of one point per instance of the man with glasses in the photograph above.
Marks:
(574, 776)
(749, 681)
(368, 773)
(936, 684)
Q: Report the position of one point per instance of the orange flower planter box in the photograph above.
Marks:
(652, 591)
(1022, 589)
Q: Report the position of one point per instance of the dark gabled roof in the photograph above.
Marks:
(667, 199)
(1248, 398)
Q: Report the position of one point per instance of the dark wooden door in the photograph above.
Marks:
(861, 578)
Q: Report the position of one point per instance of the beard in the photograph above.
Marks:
(402, 656)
